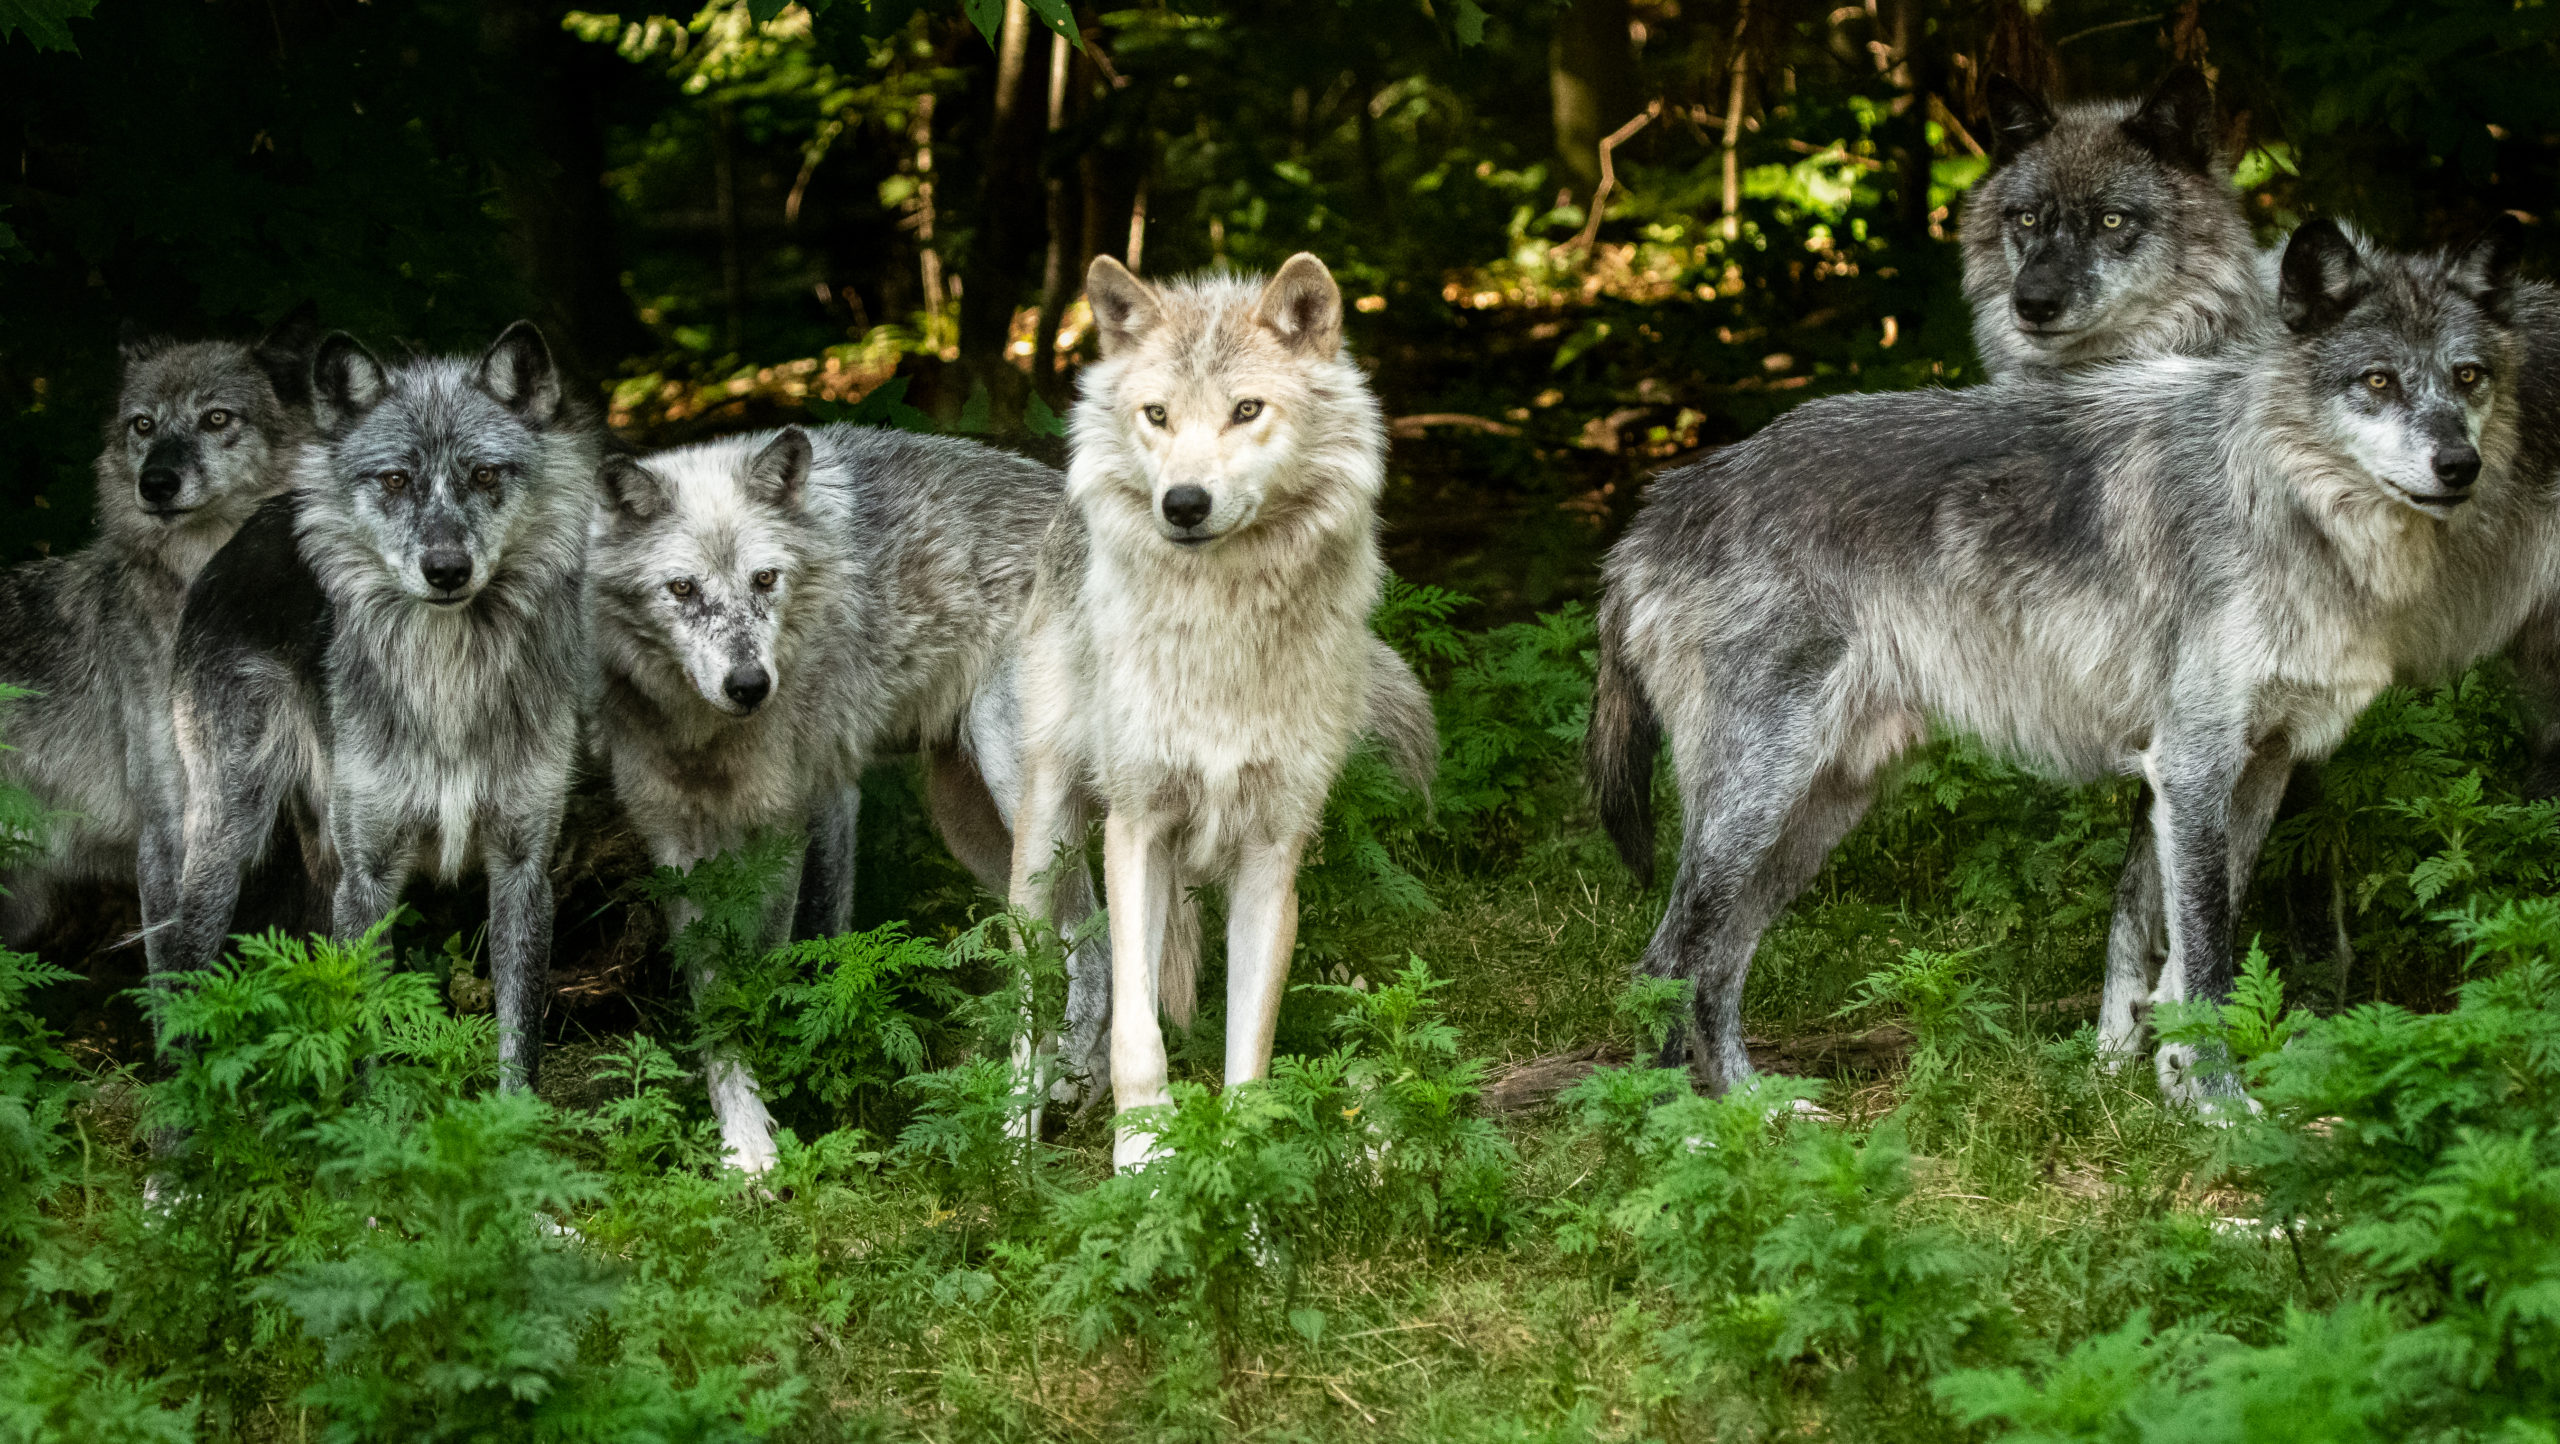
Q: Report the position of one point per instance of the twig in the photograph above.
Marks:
(1609, 176)
(1408, 428)
(1833, 151)
(1345, 1396)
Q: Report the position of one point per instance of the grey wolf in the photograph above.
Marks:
(2196, 569)
(202, 433)
(2108, 229)
(1197, 659)
(776, 611)
(398, 650)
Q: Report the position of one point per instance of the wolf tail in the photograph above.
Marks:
(1618, 752)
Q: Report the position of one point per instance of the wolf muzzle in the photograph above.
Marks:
(164, 473)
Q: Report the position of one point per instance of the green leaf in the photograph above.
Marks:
(884, 405)
(763, 11)
(1468, 22)
(974, 411)
(47, 23)
(1059, 16)
(1042, 421)
(987, 15)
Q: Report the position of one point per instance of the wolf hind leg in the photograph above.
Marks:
(825, 906)
(2137, 942)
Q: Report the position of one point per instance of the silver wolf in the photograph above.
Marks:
(2108, 229)
(203, 432)
(2194, 569)
(398, 649)
(1197, 657)
(773, 613)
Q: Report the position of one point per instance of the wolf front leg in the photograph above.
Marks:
(1262, 933)
(518, 860)
(2194, 782)
(737, 1104)
(1137, 883)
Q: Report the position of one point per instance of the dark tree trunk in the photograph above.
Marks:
(1009, 230)
(1921, 73)
(1591, 73)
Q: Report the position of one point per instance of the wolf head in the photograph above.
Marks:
(203, 430)
(429, 470)
(2108, 228)
(2407, 359)
(1212, 398)
(696, 560)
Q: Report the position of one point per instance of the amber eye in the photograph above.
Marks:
(766, 578)
(2378, 380)
(144, 426)
(485, 477)
(2027, 219)
(680, 587)
(2111, 219)
(1247, 410)
(395, 481)
(216, 419)
(2468, 375)
(1153, 413)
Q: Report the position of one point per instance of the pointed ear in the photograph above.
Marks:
(779, 475)
(2177, 121)
(2487, 267)
(1303, 307)
(635, 492)
(284, 353)
(2323, 276)
(1124, 307)
(519, 373)
(346, 382)
(136, 343)
(2019, 116)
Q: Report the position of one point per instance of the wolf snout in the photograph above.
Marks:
(1187, 506)
(747, 685)
(159, 485)
(2036, 307)
(2457, 467)
(446, 569)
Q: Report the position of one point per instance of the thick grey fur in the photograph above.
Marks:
(2197, 569)
(215, 426)
(422, 718)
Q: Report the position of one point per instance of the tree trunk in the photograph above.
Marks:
(1058, 278)
(1921, 72)
(1591, 75)
(1008, 232)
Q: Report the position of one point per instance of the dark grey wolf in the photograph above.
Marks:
(398, 650)
(2197, 569)
(2108, 229)
(1197, 657)
(203, 432)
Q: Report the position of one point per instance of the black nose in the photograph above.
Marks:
(2457, 467)
(747, 684)
(1187, 506)
(2035, 307)
(446, 570)
(159, 485)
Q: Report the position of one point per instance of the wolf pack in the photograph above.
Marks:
(354, 619)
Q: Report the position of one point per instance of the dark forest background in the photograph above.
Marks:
(746, 213)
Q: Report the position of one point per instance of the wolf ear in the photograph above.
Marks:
(2177, 122)
(134, 342)
(1124, 307)
(346, 382)
(1303, 306)
(2323, 276)
(634, 490)
(284, 353)
(2019, 116)
(780, 472)
(2487, 267)
(518, 371)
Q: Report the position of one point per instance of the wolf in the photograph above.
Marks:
(2109, 229)
(203, 432)
(2197, 569)
(1197, 658)
(398, 650)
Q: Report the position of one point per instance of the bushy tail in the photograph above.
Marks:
(1399, 716)
(1618, 752)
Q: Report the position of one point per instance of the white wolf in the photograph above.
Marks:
(1197, 656)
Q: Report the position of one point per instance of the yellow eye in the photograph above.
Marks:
(485, 477)
(1246, 411)
(680, 587)
(2111, 219)
(766, 578)
(216, 419)
(2378, 380)
(1153, 413)
(143, 426)
(2468, 375)
(395, 481)
(2026, 219)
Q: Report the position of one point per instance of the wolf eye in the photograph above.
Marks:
(216, 419)
(2378, 380)
(2026, 219)
(143, 426)
(1153, 413)
(1247, 410)
(2111, 219)
(485, 477)
(680, 587)
(766, 578)
(2469, 375)
(395, 481)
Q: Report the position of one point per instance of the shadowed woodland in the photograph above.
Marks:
(1580, 243)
